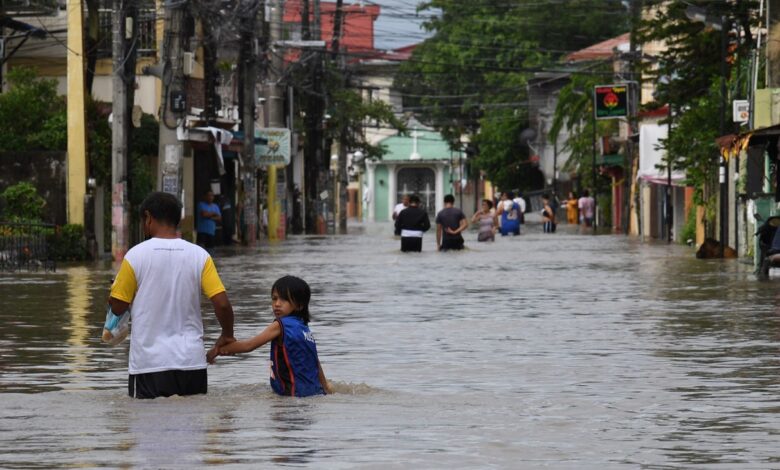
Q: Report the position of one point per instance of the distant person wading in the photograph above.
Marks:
(411, 223)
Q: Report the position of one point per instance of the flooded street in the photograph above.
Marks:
(544, 351)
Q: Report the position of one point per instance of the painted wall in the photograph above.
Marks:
(381, 196)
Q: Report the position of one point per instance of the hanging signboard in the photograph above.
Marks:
(611, 101)
(276, 151)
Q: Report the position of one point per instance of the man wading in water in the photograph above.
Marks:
(162, 278)
(411, 223)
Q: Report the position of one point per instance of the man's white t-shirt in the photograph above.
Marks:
(398, 208)
(163, 279)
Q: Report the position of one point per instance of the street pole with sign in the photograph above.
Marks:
(609, 102)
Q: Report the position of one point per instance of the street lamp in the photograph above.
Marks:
(700, 15)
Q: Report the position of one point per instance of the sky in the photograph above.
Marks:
(398, 24)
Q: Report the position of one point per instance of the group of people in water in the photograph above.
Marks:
(505, 215)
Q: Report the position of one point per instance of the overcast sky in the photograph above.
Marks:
(398, 24)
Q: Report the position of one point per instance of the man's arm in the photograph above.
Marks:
(224, 311)
(438, 235)
(464, 224)
(118, 306)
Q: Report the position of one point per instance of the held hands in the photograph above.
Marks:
(215, 351)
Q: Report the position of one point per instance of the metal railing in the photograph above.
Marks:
(24, 246)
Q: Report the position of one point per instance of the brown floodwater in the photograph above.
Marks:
(555, 351)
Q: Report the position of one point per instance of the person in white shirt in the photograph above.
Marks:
(163, 278)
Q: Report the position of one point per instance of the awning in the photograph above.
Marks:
(652, 155)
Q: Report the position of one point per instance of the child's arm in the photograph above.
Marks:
(325, 384)
(272, 331)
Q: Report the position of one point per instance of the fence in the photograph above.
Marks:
(24, 246)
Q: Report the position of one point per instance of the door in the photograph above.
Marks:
(419, 181)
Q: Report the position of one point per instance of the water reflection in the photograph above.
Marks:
(77, 306)
(291, 419)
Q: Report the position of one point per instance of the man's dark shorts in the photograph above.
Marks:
(167, 383)
(452, 244)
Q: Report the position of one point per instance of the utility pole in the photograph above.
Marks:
(77, 140)
(247, 76)
(172, 100)
(341, 178)
(124, 58)
(275, 101)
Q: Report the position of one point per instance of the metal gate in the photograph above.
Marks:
(419, 181)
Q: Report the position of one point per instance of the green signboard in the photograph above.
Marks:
(611, 101)
(277, 149)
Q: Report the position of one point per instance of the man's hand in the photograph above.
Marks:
(211, 356)
(224, 341)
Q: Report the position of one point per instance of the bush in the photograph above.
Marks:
(22, 203)
(68, 243)
(688, 231)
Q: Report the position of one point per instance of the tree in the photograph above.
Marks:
(32, 115)
(470, 78)
(574, 112)
(692, 70)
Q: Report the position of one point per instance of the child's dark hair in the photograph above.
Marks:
(296, 291)
(163, 207)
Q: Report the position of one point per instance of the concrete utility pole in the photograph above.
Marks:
(248, 73)
(172, 101)
(124, 55)
(341, 178)
(275, 102)
(77, 139)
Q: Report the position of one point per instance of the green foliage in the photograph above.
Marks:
(32, 115)
(99, 138)
(688, 231)
(693, 58)
(574, 112)
(471, 77)
(67, 243)
(143, 145)
(693, 142)
(22, 202)
(350, 111)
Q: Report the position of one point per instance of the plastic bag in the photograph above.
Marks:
(116, 327)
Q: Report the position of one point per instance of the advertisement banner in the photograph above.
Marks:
(277, 149)
(611, 101)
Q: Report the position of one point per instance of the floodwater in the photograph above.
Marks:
(543, 351)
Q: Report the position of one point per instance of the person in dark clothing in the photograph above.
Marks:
(411, 223)
(450, 223)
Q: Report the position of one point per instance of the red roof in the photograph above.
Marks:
(602, 50)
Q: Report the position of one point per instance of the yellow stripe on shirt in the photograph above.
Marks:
(125, 285)
(210, 282)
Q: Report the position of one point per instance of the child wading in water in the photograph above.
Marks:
(295, 367)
